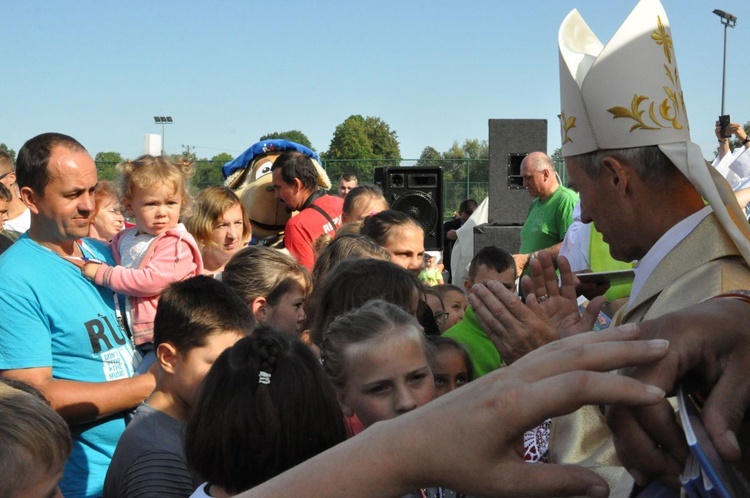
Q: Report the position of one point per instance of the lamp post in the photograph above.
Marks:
(162, 120)
(729, 21)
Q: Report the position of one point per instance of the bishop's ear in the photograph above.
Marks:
(615, 173)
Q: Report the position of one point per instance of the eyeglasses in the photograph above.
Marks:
(441, 316)
(5, 174)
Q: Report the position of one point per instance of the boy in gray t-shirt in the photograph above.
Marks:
(196, 320)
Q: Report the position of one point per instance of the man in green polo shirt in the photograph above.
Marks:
(551, 212)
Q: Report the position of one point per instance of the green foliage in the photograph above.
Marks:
(10, 152)
(461, 163)
(430, 157)
(465, 171)
(106, 165)
(222, 158)
(350, 140)
(208, 171)
(291, 135)
(361, 139)
(557, 156)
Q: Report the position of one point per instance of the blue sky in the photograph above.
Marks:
(230, 71)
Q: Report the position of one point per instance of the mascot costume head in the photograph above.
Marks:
(249, 175)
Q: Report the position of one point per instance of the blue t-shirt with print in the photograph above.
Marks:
(51, 316)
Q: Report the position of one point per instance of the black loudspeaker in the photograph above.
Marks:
(418, 192)
(507, 237)
(510, 141)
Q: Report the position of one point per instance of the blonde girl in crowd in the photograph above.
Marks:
(377, 358)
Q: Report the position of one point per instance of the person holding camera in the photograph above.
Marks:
(725, 135)
(736, 167)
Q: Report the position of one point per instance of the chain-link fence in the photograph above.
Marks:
(462, 178)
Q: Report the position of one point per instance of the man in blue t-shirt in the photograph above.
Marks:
(58, 331)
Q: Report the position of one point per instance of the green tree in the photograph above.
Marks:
(358, 139)
(291, 135)
(222, 159)
(476, 149)
(383, 140)
(350, 140)
(557, 156)
(467, 162)
(106, 163)
(430, 157)
(208, 171)
(10, 152)
(465, 171)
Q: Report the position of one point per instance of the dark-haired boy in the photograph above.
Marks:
(196, 320)
(490, 263)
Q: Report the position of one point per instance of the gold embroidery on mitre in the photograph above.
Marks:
(567, 124)
(661, 37)
(674, 103)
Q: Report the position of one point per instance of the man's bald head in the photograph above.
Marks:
(538, 172)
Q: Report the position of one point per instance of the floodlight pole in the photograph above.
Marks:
(729, 21)
(163, 120)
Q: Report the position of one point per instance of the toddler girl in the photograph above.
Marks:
(157, 251)
(432, 273)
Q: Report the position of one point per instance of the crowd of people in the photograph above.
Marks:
(149, 346)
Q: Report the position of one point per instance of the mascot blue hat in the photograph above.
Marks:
(264, 147)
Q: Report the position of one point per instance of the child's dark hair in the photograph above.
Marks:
(265, 406)
(443, 289)
(359, 198)
(380, 226)
(355, 281)
(343, 247)
(494, 258)
(192, 310)
(440, 343)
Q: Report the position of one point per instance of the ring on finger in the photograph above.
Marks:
(542, 298)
